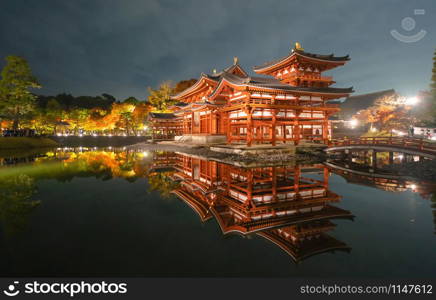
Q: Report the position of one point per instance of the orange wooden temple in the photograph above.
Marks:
(287, 104)
(280, 204)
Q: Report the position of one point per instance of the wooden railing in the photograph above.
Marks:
(401, 142)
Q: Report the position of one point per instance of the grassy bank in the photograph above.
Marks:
(25, 142)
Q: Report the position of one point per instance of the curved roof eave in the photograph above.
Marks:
(323, 58)
(192, 88)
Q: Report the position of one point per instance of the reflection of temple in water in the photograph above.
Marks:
(284, 205)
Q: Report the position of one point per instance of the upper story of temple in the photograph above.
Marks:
(297, 76)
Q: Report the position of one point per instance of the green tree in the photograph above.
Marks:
(16, 100)
(132, 100)
(77, 118)
(53, 113)
(160, 98)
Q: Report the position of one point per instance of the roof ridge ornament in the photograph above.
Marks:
(214, 71)
(235, 60)
(298, 46)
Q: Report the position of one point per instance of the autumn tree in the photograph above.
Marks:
(139, 115)
(160, 98)
(77, 117)
(387, 113)
(183, 85)
(16, 100)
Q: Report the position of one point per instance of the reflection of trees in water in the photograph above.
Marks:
(18, 184)
(162, 183)
(16, 204)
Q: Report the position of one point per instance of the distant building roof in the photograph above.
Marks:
(353, 104)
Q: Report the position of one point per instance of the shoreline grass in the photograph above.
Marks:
(26, 143)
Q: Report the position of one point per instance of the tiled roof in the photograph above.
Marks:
(264, 82)
(353, 104)
(328, 57)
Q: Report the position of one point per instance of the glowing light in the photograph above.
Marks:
(411, 101)
(400, 133)
(80, 135)
(373, 129)
(413, 186)
(59, 134)
(145, 153)
(353, 123)
(401, 156)
(94, 134)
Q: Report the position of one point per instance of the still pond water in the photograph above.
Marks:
(106, 212)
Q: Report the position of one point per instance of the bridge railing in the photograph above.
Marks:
(402, 142)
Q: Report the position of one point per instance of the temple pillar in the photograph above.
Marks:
(274, 184)
(297, 173)
(325, 129)
(391, 158)
(374, 159)
(273, 127)
(326, 177)
(249, 127)
(249, 200)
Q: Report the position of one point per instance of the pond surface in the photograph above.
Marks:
(106, 212)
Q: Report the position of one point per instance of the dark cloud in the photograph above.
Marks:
(121, 47)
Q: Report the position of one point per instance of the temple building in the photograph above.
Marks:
(283, 204)
(287, 103)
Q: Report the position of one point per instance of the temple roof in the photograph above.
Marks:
(216, 77)
(272, 83)
(301, 53)
(353, 104)
(307, 247)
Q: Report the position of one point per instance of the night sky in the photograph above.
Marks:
(121, 47)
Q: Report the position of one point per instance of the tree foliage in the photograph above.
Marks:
(16, 100)
(160, 98)
(387, 113)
